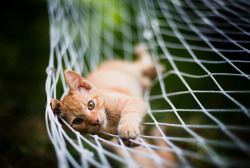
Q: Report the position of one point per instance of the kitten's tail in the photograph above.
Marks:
(168, 156)
(164, 154)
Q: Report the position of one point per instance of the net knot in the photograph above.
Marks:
(50, 71)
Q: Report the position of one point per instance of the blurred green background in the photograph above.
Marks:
(24, 42)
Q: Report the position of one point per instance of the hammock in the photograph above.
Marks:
(200, 104)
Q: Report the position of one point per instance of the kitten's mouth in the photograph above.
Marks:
(100, 126)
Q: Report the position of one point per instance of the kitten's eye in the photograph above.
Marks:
(91, 105)
(77, 121)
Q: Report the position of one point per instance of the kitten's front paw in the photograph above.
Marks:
(128, 131)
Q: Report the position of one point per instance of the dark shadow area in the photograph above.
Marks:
(24, 42)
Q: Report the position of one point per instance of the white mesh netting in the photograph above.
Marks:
(200, 105)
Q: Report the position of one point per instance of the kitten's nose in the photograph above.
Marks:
(96, 123)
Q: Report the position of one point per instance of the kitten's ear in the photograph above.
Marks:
(75, 81)
(56, 106)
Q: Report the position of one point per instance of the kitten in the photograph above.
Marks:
(110, 99)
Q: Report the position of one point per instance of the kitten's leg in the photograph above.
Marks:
(145, 62)
(131, 116)
(143, 55)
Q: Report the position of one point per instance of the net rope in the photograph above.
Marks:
(199, 105)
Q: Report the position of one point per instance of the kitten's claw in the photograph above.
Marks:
(129, 143)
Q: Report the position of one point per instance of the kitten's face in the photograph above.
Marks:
(83, 107)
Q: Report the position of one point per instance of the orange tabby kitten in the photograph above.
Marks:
(110, 99)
